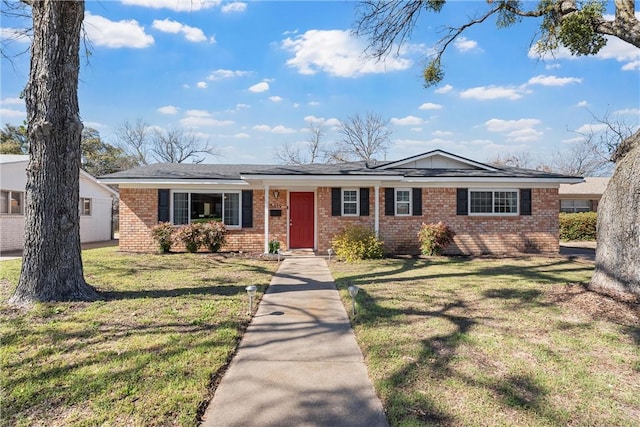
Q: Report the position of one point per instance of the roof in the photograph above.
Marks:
(435, 165)
(592, 186)
(13, 158)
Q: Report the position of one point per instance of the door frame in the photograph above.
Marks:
(315, 214)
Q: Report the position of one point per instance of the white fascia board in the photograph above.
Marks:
(173, 183)
(452, 182)
(268, 178)
(438, 153)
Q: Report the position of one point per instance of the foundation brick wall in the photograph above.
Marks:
(474, 234)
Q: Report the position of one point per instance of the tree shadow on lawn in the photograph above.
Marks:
(545, 273)
(521, 392)
(225, 290)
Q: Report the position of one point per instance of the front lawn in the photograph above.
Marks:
(495, 342)
(146, 355)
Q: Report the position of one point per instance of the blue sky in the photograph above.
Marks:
(251, 76)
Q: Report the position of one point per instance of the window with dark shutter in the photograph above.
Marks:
(247, 208)
(525, 201)
(389, 202)
(336, 202)
(462, 201)
(417, 201)
(164, 212)
(364, 202)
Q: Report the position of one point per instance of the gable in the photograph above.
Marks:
(437, 159)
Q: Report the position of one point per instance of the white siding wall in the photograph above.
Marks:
(93, 228)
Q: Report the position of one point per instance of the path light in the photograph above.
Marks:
(353, 291)
(279, 255)
(329, 251)
(251, 291)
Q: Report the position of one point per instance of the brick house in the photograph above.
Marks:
(491, 209)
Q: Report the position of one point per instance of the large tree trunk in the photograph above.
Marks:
(52, 263)
(618, 250)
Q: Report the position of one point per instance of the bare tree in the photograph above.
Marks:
(362, 138)
(148, 144)
(134, 139)
(311, 152)
(581, 27)
(516, 160)
(52, 265)
(582, 158)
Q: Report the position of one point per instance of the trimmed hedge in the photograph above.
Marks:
(578, 226)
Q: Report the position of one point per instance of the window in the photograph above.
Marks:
(575, 205)
(350, 202)
(493, 202)
(224, 207)
(85, 206)
(12, 202)
(403, 201)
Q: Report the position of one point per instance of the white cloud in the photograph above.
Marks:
(332, 122)
(521, 130)
(276, 129)
(631, 66)
(314, 119)
(464, 44)
(633, 111)
(444, 89)
(175, 5)
(201, 85)
(96, 125)
(7, 113)
(552, 66)
(337, 53)
(12, 101)
(259, 87)
(416, 129)
(14, 34)
(407, 121)
(313, 103)
(429, 106)
(553, 80)
(484, 93)
(199, 118)
(226, 74)
(592, 128)
(240, 135)
(275, 98)
(241, 106)
(582, 103)
(125, 33)
(441, 133)
(192, 34)
(236, 6)
(168, 109)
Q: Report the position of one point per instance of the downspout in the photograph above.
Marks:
(376, 210)
(266, 219)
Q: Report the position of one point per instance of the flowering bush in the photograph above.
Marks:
(434, 238)
(190, 235)
(162, 233)
(356, 243)
(213, 235)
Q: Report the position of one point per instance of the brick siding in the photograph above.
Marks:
(474, 234)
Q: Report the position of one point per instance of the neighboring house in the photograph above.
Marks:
(584, 196)
(491, 209)
(96, 204)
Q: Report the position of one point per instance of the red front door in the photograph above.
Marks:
(301, 220)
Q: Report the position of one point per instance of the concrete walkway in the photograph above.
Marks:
(298, 363)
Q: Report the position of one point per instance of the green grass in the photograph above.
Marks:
(146, 355)
(495, 342)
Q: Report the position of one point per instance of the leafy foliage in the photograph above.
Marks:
(213, 235)
(162, 233)
(578, 226)
(434, 238)
(356, 243)
(13, 140)
(274, 246)
(190, 235)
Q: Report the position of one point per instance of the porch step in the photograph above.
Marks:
(299, 252)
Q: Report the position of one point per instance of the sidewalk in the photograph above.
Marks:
(298, 363)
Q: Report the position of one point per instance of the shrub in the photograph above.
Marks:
(274, 246)
(214, 235)
(162, 233)
(190, 235)
(356, 243)
(578, 226)
(434, 238)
